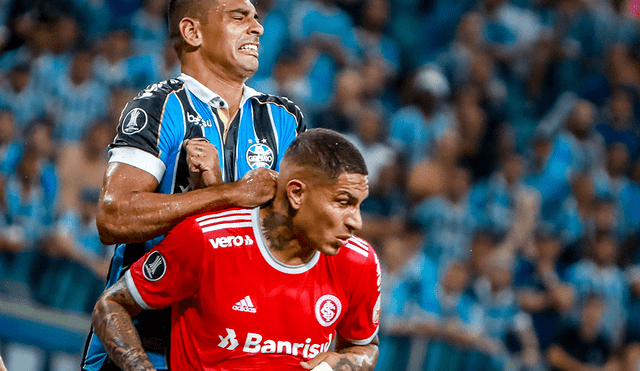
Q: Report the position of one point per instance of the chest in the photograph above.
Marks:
(269, 311)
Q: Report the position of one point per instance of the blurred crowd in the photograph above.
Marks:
(502, 139)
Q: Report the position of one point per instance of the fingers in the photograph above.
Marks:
(319, 363)
(203, 162)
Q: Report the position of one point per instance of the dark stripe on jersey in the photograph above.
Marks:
(288, 105)
(266, 128)
(192, 131)
(230, 148)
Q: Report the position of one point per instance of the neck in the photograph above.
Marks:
(281, 239)
(220, 82)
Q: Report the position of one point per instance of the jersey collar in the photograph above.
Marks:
(266, 254)
(206, 95)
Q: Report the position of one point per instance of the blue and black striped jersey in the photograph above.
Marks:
(150, 136)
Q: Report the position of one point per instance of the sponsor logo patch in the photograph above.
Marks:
(260, 155)
(135, 121)
(154, 266)
(328, 309)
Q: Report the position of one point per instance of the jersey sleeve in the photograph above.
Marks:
(171, 271)
(151, 127)
(361, 321)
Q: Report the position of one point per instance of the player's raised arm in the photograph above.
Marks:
(112, 321)
(348, 357)
(131, 211)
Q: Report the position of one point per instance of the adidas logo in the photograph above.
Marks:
(244, 305)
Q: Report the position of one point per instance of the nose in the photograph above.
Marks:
(354, 220)
(256, 28)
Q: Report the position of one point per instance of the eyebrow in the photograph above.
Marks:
(245, 12)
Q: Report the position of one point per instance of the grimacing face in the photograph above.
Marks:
(329, 214)
(231, 37)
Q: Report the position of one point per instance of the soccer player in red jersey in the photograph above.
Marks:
(266, 288)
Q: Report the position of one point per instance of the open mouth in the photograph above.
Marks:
(251, 49)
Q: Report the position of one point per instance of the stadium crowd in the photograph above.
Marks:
(502, 139)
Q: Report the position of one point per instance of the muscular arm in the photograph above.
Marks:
(112, 321)
(130, 211)
(348, 356)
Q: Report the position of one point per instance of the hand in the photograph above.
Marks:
(257, 187)
(337, 362)
(203, 162)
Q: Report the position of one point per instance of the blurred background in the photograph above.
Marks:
(502, 139)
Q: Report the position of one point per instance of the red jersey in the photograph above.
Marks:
(235, 307)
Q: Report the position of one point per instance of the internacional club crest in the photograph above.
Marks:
(260, 155)
(328, 309)
(154, 266)
(135, 121)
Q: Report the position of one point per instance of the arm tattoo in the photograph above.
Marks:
(112, 320)
(344, 364)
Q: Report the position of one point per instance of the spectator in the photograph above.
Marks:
(447, 220)
(290, 79)
(598, 274)
(276, 39)
(71, 276)
(452, 321)
(77, 99)
(419, 125)
(375, 44)
(631, 354)
(619, 122)
(612, 179)
(456, 60)
(83, 165)
(347, 100)
(149, 27)
(116, 65)
(404, 268)
(329, 31)
(585, 345)
(540, 281)
(10, 148)
(19, 95)
(369, 137)
(428, 178)
(514, 343)
(168, 64)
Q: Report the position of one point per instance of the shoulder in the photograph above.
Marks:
(279, 101)
(280, 109)
(358, 252)
(155, 96)
(221, 219)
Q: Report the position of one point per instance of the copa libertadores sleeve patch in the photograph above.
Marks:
(154, 267)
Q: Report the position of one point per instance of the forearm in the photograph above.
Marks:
(140, 216)
(562, 360)
(114, 327)
(357, 358)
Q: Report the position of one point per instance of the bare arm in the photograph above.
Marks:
(112, 321)
(562, 360)
(348, 356)
(130, 211)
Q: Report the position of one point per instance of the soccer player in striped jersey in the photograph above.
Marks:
(190, 133)
(264, 288)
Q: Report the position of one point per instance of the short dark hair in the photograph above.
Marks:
(178, 9)
(326, 151)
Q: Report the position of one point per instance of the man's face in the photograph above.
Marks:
(330, 213)
(231, 37)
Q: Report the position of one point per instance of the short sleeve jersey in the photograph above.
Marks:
(235, 307)
(154, 125)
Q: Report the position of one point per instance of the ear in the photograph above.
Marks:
(295, 193)
(191, 32)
